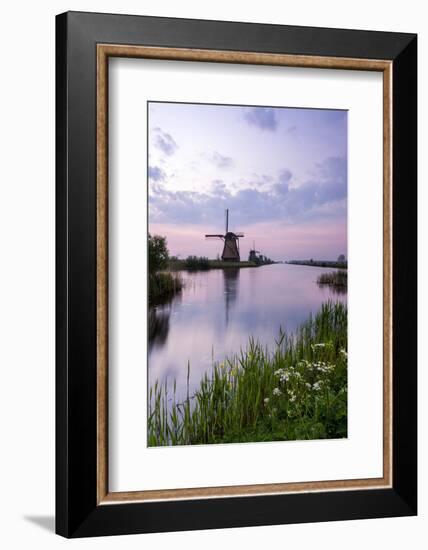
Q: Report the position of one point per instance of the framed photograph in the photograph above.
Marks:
(236, 274)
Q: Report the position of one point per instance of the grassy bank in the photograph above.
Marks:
(195, 264)
(298, 391)
(163, 285)
(334, 278)
(320, 263)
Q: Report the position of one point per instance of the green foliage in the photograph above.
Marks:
(158, 253)
(163, 286)
(320, 263)
(335, 278)
(297, 391)
(196, 263)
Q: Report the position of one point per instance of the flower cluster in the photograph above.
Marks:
(287, 374)
(322, 345)
(282, 374)
(295, 383)
(320, 366)
(317, 346)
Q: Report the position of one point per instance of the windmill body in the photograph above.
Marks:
(231, 243)
(253, 255)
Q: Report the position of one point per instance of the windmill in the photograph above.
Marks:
(253, 254)
(231, 243)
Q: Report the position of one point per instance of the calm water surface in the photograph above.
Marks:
(219, 309)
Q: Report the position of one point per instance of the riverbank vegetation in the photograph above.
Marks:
(163, 284)
(296, 391)
(340, 264)
(334, 278)
(197, 263)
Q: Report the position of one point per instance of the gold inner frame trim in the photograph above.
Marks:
(104, 51)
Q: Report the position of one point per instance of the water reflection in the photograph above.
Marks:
(218, 310)
(158, 323)
(334, 289)
(231, 285)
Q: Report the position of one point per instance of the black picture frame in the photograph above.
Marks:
(77, 511)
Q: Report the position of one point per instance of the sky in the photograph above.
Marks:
(281, 172)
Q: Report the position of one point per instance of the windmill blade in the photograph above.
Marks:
(239, 234)
(214, 236)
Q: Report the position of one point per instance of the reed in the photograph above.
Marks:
(163, 285)
(196, 263)
(334, 278)
(296, 391)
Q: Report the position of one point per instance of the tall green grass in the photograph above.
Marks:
(297, 391)
(196, 263)
(335, 278)
(163, 285)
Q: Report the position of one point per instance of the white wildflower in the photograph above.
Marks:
(266, 400)
(320, 345)
(277, 391)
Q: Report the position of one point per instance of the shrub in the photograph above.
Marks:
(335, 278)
(195, 263)
(163, 286)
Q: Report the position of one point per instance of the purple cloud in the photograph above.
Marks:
(333, 167)
(219, 188)
(156, 173)
(322, 197)
(262, 117)
(221, 161)
(165, 142)
(281, 186)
